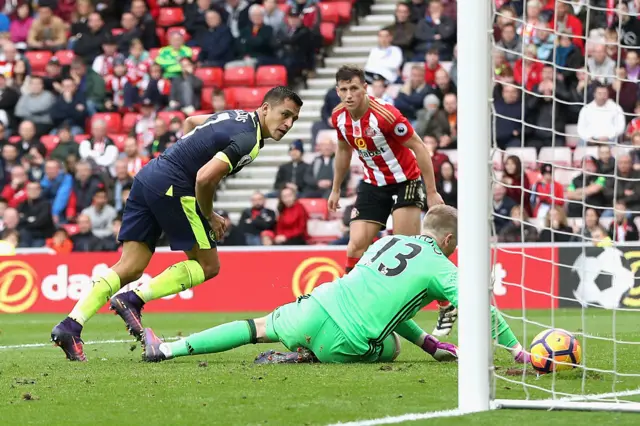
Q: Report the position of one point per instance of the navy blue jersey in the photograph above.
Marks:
(231, 136)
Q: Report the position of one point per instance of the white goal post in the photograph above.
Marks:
(477, 375)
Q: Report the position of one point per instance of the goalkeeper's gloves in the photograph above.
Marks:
(440, 351)
(519, 354)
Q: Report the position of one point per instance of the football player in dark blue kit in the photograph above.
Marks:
(174, 193)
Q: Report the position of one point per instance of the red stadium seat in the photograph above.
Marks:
(65, 56)
(119, 140)
(271, 75)
(50, 142)
(317, 208)
(239, 76)
(80, 138)
(71, 228)
(167, 116)
(329, 12)
(162, 36)
(113, 120)
(38, 59)
(285, 8)
(210, 76)
(230, 98)
(328, 32)
(14, 139)
(181, 30)
(129, 122)
(196, 52)
(170, 16)
(344, 11)
(117, 31)
(205, 98)
(249, 98)
(153, 53)
(202, 112)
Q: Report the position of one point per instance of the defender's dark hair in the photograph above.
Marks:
(278, 94)
(348, 72)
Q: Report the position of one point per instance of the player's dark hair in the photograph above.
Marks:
(279, 94)
(349, 72)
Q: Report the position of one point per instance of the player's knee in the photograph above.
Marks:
(210, 269)
(356, 248)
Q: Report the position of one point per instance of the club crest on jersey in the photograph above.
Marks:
(354, 213)
(370, 132)
(357, 131)
(400, 129)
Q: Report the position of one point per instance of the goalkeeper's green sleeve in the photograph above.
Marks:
(499, 327)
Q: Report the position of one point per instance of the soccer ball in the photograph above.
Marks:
(554, 350)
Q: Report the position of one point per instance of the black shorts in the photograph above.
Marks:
(147, 214)
(376, 203)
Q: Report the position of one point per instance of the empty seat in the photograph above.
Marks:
(50, 142)
(239, 76)
(317, 208)
(119, 139)
(555, 155)
(65, 56)
(527, 155)
(170, 16)
(205, 99)
(582, 151)
(271, 75)
(249, 98)
(81, 138)
(112, 119)
(565, 176)
(324, 231)
(328, 33)
(153, 53)
(210, 76)
(38, 59)
(167, 116)
(330, 12)
(129, 122)
(196, 53)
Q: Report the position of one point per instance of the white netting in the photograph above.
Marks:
(566, 179)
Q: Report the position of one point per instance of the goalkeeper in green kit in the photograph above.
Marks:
(356, 318)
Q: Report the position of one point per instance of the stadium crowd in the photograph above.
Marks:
(74, 72)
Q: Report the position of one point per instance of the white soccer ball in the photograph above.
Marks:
(603, 279)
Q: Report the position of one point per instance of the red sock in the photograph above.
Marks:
(351, 263)
(443, 303)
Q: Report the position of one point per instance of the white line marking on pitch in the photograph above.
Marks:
(399, 419)
(90, 342)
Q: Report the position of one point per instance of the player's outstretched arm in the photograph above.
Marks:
(426, 168)
(341, 165)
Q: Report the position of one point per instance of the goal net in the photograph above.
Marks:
(562, 181)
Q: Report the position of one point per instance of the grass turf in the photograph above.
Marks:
(38, 386)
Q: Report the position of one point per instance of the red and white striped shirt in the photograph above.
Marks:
(378, 138)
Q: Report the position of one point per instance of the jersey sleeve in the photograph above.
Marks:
(241, 150)
(400, 130)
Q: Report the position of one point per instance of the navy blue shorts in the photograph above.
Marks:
(147, 214)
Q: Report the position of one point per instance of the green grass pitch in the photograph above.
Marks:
(38, 386)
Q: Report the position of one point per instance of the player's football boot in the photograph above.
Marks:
(151, 351)
(66, 335)
(129, 307)
(447, 316)
(440, 351)
(273, 357)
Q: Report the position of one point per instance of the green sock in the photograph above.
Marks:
(173, 280)
(217, 339)
(103, 288)
(411, 331)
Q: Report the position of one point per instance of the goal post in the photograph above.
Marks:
(559, 284)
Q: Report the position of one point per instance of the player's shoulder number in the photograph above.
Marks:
(240, 115)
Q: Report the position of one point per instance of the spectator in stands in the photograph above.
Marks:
(70, 108)
(85, 185)
(215, 41)
(602, 120)
(447, 184)
(291, 225)
(545, 41)
(163, 137)
(122, 180)
(101, 214)
(20, 77)
(145, 123)
(528, 70)
(502, 206)
(175, 127)
(60, 243)
(36, 105)
(586, 188)
(510, 43)
(310, 14)
(146, 24)
(444, 85)
(218, 101)
(410, 99)
(8, 59)
(622, 228)
(36, 223)
(85, 240)
(403, 30)
(110, 242)
(431, 105)
(435, 31)
(606, 163)
(121, 93)
(129, 24)
(79, 20)
(186, 89)
(256, 219)
(89, 45)
(33, 163)
(89, 83)
(21, 24)
(99, 148)
(57, 186)
(556, 228)
(384, 60)
(568, 58)
(591, 222)
(319, 175)
(533, 20)
(500, 64)
(47, 32)
(273, 16)
(378, 89)
(516, 182)
(565, 22)
(331, 100)
(8, 101)
(443, 124)
(104, 63)
(628, 25)
(292, 174)
(601, 67)
(624, 92)
(169, 56)
(418, 10)
(15, 192)
(600, 237)
(432, 65)
(508, 125)
(546, 192)
(254, 45)
(53, 75)
(10, 219)
(135, 160)
(294, 41)
(518, 230)
(195, 15)
(9, 161)
(66, 145)
(344, 227)
(625, 187)
(233, 236)
(238, 15)
(138, 63)
(632, 65)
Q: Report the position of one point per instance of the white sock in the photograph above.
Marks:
(166, 350)
(516, 350)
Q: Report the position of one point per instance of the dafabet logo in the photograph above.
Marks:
(18, 289)
(308, 274)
